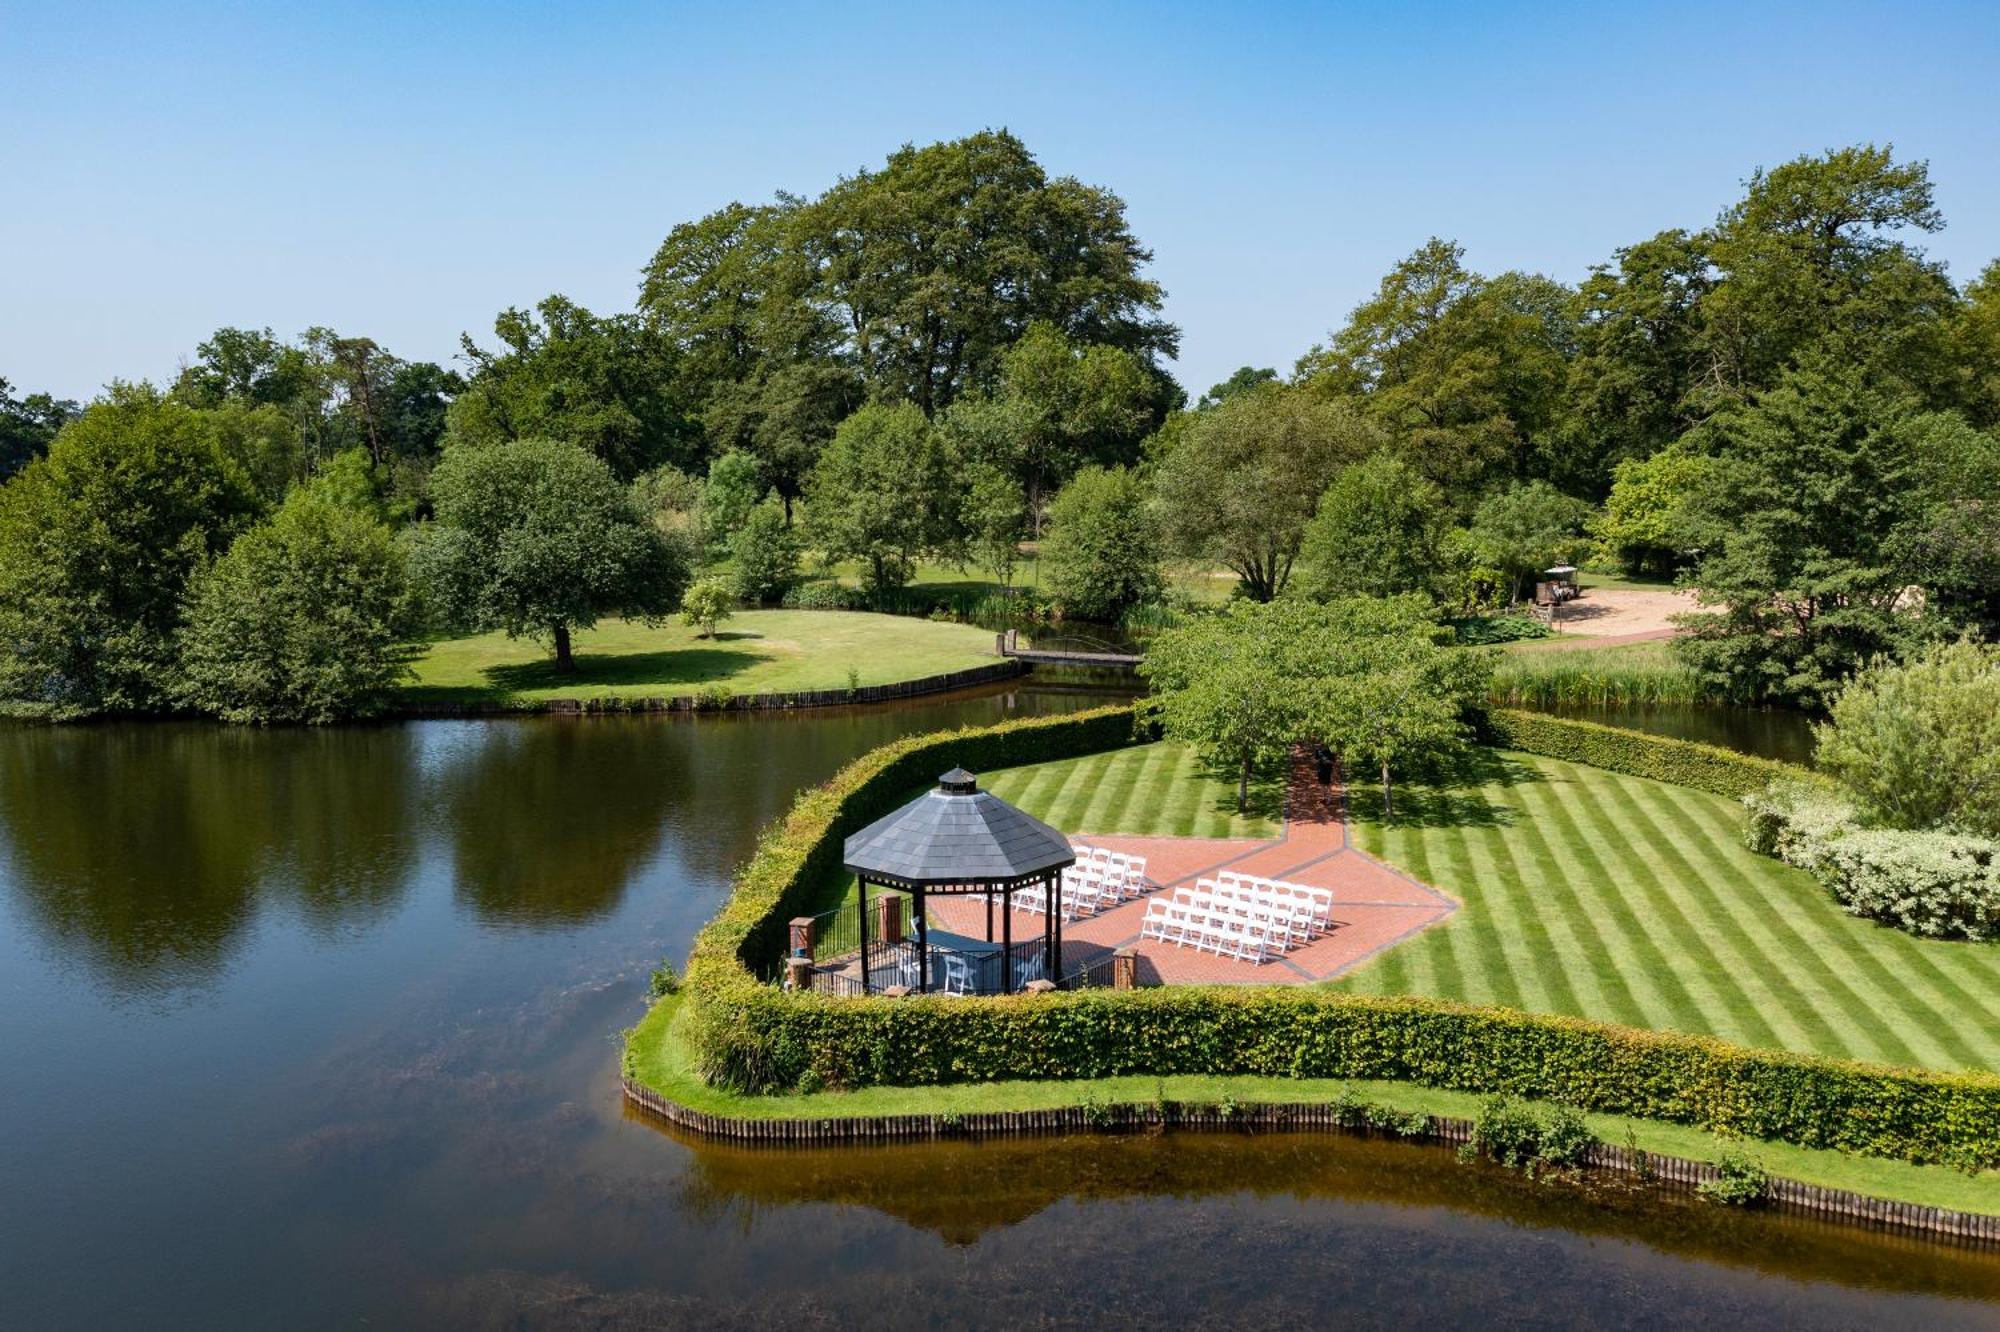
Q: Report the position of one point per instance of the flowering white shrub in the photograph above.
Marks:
(1937, 884)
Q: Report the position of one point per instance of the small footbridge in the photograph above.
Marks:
(1076, 650)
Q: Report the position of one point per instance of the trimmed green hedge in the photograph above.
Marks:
(773, 1040)
(752, 1037)
(1722, 772)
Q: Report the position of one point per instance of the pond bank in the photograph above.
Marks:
(659, 1078)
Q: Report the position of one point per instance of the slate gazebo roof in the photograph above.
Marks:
(960, 839)
(956, 835)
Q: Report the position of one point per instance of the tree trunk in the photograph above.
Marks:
(565, 663)
(1388, 806)
(1243, 786)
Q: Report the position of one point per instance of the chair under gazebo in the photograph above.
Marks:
(961, 840)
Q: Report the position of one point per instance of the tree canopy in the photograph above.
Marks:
(1241, 482)
(1918, 743)
(1100, 557)
(538, 538)
(97, 541)
(885, 492)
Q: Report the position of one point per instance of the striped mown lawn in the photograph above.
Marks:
(1635, 901)
(1159, 790)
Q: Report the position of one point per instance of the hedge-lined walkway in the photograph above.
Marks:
(1634, 901)
(1375, 905)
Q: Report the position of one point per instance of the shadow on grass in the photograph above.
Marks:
(1450, 796)
(1266, 797)
(669, 670)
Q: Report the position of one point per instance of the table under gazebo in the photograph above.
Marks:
(959, 840)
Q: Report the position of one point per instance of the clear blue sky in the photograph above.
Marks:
(405, 170)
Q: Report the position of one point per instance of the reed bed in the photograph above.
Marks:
(1634, 673)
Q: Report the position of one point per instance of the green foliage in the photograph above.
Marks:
(1367, 676)
(994, 514)
(1684, 763)
(1506, 1131)
(663, 981)
(735, 484)
(764, 555)
(1642, 526)
(1489, 630)
(603, 384)
(1527, 528)
(1242, 479)
(1463, 371)
(1740, 1181)
(1932, 884)
(1099, 557)
(1059, 405)
(1805, 517)
(537, 537)
(97, 542)
(707, 603)
(1376, 533)
(1917, 744)
(886, 492)
(28, 425)
(306, 618)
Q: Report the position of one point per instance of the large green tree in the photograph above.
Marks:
(1059, 405)
(1527, 527)
(1804, 519)
(1465, 372)
(97, 541)
(602, 383)
(1100, 557)
(1376, 533)
(1239, 484)
(306, 618)
(537, 537)
(941, 259)
(886, 492)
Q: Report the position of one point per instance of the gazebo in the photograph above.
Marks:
(962, 840)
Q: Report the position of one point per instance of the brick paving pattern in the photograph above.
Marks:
(1375, 906)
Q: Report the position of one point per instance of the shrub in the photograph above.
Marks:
(305, 619)
(1741, 1181)
(1516, 1136)
(1507, 627)
(1917, 744)
(1682, 762)
(822, 595)
(1935, 884)
(765, 552)
(663, 982)
(707, 604)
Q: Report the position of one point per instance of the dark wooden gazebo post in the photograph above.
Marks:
(862, 888)
(958, 839)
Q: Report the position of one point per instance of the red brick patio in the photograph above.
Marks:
(1375, 905)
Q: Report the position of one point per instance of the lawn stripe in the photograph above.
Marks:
(1540, 978)
(1764, 958)
(1625, 892)
(1877, 1001)
(1593, 957)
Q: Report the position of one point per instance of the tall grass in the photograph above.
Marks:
(1637, 673)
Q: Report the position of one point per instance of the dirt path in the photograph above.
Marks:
(1605, 616)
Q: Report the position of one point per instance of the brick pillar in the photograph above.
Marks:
(798, 973)
(1125, 969)
(801, 943)
(889, 918)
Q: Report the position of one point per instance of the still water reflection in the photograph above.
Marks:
(321, 1027)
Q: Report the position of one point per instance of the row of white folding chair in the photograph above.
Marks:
(1318, 902)
(1181, 922)
(1076, 896)
(1128, 871)
(1286, 923)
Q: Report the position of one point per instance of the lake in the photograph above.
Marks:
(322, 1028)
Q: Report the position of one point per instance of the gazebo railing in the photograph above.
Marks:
(1098, 971)
(833, 940)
